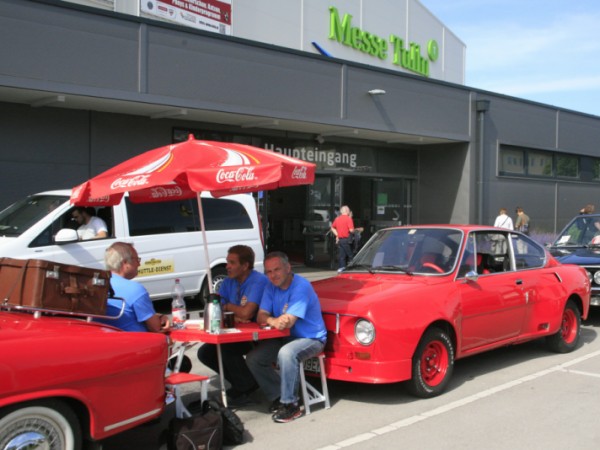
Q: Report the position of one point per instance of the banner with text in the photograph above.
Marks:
(208, 15)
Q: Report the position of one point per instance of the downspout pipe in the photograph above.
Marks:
(481, 106)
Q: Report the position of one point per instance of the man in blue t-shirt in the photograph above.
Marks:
(289, 302)
(139, 315)
(240, 293)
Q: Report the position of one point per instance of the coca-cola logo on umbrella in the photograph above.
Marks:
(139, 177)
(299, 173)
(239, 174)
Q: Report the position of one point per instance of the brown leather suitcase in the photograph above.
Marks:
(47, 285)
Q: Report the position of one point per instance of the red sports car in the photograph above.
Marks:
(414, 299)
(64, 379)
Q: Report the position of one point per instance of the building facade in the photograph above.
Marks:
(83, 88)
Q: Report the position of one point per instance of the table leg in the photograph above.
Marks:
(221, 375)
(178, 348)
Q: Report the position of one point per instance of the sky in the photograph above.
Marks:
(547, 51)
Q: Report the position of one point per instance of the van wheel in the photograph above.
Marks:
(218, 275)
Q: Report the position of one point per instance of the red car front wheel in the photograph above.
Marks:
(433, 363)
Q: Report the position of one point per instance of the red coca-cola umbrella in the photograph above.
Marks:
(185, 170)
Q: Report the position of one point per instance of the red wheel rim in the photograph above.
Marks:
(569, 326)
(434, 363)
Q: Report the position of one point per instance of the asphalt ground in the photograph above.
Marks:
(518, 397)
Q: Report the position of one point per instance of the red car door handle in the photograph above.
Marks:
(519, 282)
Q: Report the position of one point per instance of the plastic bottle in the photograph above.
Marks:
(215, 319)
(178, 309)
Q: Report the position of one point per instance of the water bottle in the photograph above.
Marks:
(178, 310)
(215, 318)
(208, 310)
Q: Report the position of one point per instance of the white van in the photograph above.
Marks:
(166, 235)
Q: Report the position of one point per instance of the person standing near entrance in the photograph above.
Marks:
(522, 222)
(503, 220)
(342, 227)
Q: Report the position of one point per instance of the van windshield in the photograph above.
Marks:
(20, 216)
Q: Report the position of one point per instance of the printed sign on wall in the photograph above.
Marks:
(208, 15)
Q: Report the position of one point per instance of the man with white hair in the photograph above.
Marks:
(123, 261)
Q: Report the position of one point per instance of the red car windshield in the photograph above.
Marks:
(411, 250)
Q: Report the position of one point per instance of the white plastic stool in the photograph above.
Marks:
(310, 394)
(175, 380)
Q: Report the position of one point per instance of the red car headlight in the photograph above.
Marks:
(364, 332)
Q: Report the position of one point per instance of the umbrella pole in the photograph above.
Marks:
(202, 228)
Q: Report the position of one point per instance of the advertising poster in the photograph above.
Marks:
(207, 15)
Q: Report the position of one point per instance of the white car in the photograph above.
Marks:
(166, 235)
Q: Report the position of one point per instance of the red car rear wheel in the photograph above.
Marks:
(433, 363)
(567, 337)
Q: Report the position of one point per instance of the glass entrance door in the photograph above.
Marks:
(317, 223)
(376, 203)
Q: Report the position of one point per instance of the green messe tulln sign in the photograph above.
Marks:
(408, 57)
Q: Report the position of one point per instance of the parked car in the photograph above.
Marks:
(579, 243)
(415, 299)
(65, 380)
(166, 235)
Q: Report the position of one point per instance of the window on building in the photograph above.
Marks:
(512, 161)
(596, 169)
(544, 164)
(567, 166)
(539, 163)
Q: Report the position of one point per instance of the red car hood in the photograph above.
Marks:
(70, 350)
(356, 293)
(19, 326)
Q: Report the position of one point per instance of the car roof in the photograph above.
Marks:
(461, 227)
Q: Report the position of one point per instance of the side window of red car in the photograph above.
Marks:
(528, 253)
(469, 259)
(493, 252)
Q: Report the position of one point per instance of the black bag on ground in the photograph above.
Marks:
(199, 432)
(233, 427)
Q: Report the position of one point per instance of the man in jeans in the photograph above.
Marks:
(288, 302)
(240, 293)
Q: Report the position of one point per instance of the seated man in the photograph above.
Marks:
(289, 302)
(240, 293)
(139, 314)
(90, 226)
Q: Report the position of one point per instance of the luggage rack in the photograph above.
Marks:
(37, 312)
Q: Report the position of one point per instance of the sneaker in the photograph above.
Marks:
(275, 405)
(287, 413)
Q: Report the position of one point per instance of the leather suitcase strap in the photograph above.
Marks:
(72, 290)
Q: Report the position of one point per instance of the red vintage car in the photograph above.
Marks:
(64, 380)
(415, 299)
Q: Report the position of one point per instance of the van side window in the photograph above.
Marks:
(66, 220)
(182, 216)
(46, 237)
